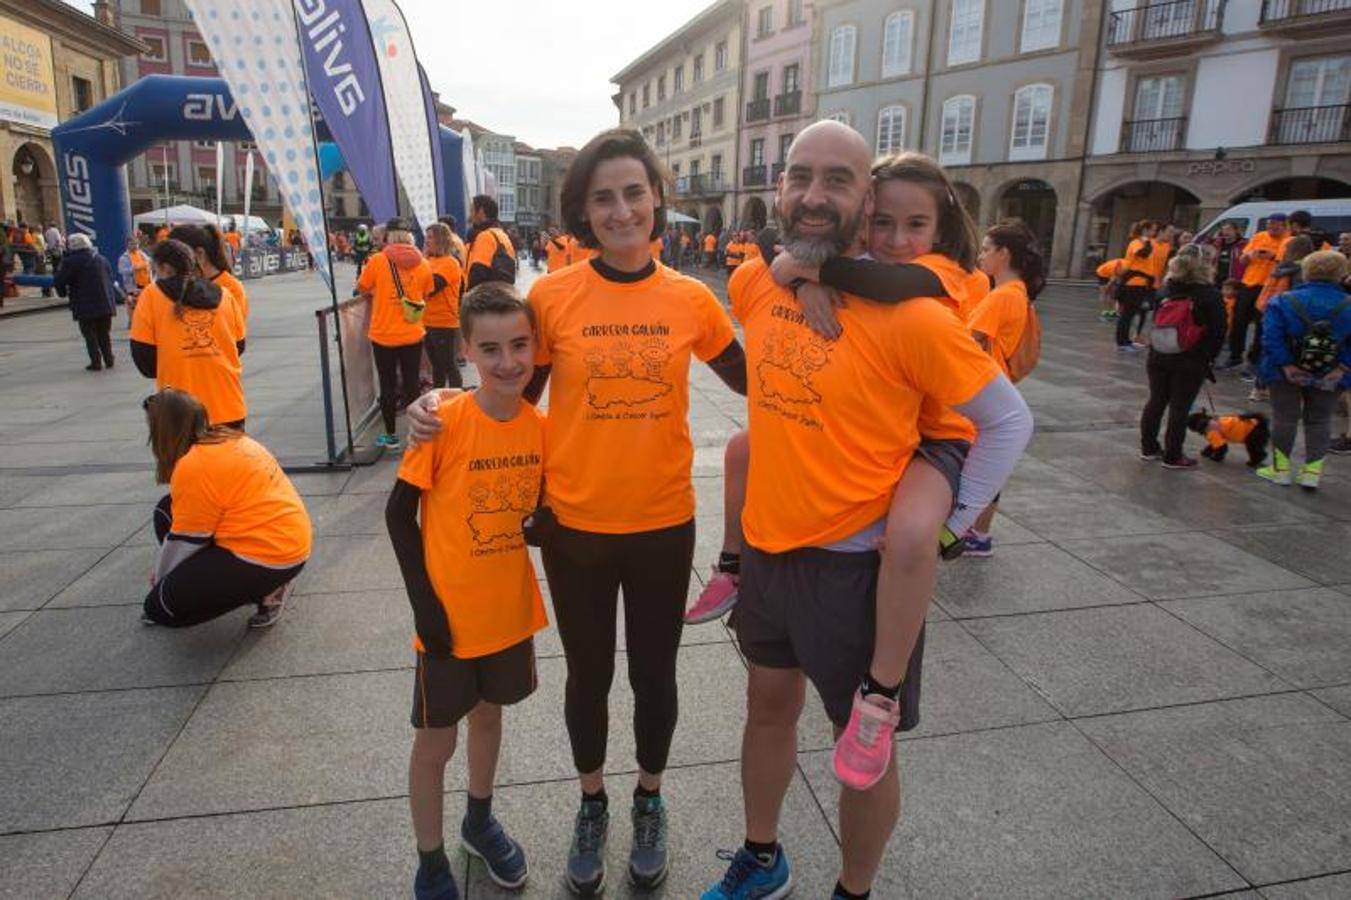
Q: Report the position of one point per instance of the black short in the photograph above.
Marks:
(445, 689)
(948, 456)
(816, 610)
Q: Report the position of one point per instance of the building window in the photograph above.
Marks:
(246, 146)
(1031, 122)
(696, 121)
(841, 68)
(633, 103)
(890, 130)
(679, 84)
(160, 174)
(959, 116)
(897, 38)
(1041, 25)
(842, 116)
(204, 145)
(794, 13)
(694, 168)
(717, 113)
(675, 127)
(198, 54)
(785, 141)
(1159, 97)
(968, 18)
(661, 88)
(715, 167)
(152, 8)
(82, 93)
(675, 169)
(1324, 81)
(720, 56)
(758, 152)
(761, 89)
(698, 75)
(792, 78)
(764, 21)
(647, 95)
(206, 179)
(661, 134)
(154, 48)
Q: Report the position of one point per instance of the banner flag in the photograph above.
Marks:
(434, 135)
(257, 50)
(344, 79)
(406, 107)
(248, 193)
(220, 177)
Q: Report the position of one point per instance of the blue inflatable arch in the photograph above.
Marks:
(93, 149)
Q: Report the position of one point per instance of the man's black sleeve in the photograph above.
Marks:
(535, 388)
(429, 616)
(146, 358)
(884, 283)
(730, 366)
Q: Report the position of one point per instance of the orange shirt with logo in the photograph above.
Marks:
(1002, 317)
(388, 326)
(479, 478)
(1259, 270)
(235, 492)
(197, 353)
(834, 423)
(443, 306)
(617, 438)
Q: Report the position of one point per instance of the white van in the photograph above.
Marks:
(1330, 217)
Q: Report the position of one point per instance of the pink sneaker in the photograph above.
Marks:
(863, 752)
(715, 600)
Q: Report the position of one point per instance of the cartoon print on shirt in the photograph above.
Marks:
(627, 374)
(786, 369)
(197, 329)
(499, 505)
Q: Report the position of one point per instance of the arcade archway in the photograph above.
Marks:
(969, 198)
(1032, 202)
(34, 177)
(713, 220)
(754, 214)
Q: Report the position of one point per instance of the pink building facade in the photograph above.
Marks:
(778, 99)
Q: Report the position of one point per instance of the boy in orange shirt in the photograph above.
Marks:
(1260, 255)
(476, 603)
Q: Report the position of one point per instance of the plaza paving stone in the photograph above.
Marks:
(1078, 733)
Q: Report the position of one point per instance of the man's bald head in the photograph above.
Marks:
(836, 140)
(825, 191)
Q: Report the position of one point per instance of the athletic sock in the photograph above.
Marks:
(432, 863)
(598, 797)
(479, 811)
(642, 793)
(729, 563)
(873, 686)
(842, 894)
(764, 853)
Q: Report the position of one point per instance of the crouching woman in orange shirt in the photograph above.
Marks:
(232, 530)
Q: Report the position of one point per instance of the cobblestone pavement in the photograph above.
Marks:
(1144, 692)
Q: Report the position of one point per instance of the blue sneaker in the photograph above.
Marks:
(648, 861)
(388, 441)
(979, 546)
(439, 887)
(500, 853)
(585, 875)
(747, 879)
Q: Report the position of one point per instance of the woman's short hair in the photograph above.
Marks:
(79, 242)
(1324, 265)
(1190, 268)
(615, 143)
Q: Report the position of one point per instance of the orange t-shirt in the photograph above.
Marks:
(1002, 317)
(936, 420)
(618, 442)
(750, 250)
(232, 285)
(1111, 268)
(484, 247)
(140, 268)
(235, 492)
(1153, 264)
(977, 289)
(232, 238)
(556, 251)
(388, 326)
(479, 478)
(710, 243)
(196, 353)
(834, 424)
(1259, 270)
(443, 306)
(577, 253)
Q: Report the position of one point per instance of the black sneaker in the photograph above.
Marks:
(1151, 455)
(1341, 445)
(501, 854)
(586, 857)
(648, 862)
(1179, 462)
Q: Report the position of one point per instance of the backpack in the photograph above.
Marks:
(1317, 351)
(1175, 328)
(503, 263)
(1025, 356)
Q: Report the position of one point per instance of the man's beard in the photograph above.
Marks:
(814, 250)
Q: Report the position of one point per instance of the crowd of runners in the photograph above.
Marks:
(883, 338)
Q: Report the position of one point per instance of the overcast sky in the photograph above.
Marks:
(536, 69)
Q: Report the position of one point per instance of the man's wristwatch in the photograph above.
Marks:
(950, 545)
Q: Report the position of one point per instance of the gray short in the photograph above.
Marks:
(948, 457)
(816, 610)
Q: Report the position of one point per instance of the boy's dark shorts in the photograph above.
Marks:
(445, 689)
(947, 456)
(816, 610)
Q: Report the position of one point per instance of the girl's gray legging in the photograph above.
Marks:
(1290, 403)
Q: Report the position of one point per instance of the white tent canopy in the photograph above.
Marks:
(191, 215)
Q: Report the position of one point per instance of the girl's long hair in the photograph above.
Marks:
(177, 420)
(1024, 254)
(206, 238)
(177, 256)
(956, 237)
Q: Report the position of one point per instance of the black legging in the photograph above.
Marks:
(441, 351)
(98, 339)
(1245, 313)
(1174, 382)
(585, 572)
(1132, 301)
(209, 583)
(397, 367)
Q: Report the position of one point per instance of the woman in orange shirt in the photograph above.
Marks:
(395, 274)
(208, 246)
(442, 318)
(1144, 258)
(232, 531)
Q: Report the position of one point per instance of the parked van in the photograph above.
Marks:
(1330, 217)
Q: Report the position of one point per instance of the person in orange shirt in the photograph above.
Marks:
(1145, 258)
(209, 248)
(491, 256)
(1259, 256)
(476, 603)
(187, 333)
(1109, 283)
(710, 250)
(555, 250)
(162, 233)
(735, 254)
(235, 242)
(398, 281)
(232, 531)
(616, 339)
(442, 318)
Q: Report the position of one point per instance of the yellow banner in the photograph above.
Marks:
(27, 86)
